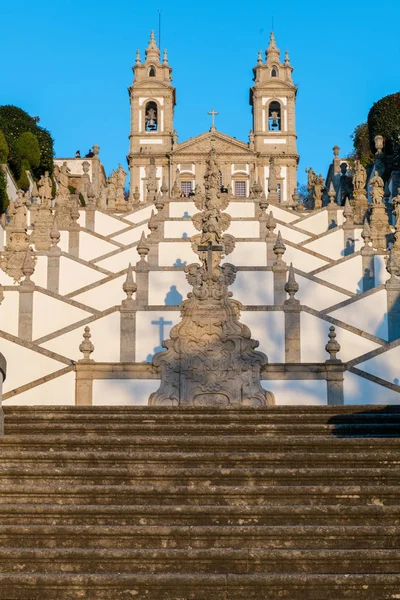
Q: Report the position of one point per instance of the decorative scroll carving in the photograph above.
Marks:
(211, 358)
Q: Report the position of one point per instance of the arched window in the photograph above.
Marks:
(274, 116)
(152, 72)
(151, 117)
(274, 72)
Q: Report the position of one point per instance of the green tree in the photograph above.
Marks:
(3, 191)
(28, 148)
(362, 150)
(384, 119)
(3, 149)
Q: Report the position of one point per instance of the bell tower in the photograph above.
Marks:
(152, 102)
(273, 101)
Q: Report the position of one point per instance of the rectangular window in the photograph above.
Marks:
(240, 188)
(186, 187)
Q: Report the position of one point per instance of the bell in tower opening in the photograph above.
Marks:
(151, 116)
(274, 116)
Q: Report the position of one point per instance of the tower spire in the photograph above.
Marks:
(272, 53)
(152, 50)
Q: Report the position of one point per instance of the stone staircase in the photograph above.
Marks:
(103, 503)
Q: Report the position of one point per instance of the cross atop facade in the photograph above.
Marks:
(210, 249)
(161, 322)
(213, 113)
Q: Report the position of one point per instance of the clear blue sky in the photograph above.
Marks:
(70, 63)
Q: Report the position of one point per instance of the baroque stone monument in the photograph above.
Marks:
(211, 359)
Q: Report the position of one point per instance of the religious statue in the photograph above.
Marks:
(317, 191)
(360, 176)
(45, 187)
(151, 174)
(311, 177)
(120, 178)
(61, 174)
(377, 188)
(111, 190)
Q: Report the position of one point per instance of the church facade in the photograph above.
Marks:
(242, 165)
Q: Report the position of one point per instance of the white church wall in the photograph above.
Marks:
(74, 275)
(167, 288)
(303, 260)
(244, 229)
(253, 287)
(333, 249)
(120, 260)
(105, 295)
(368, 314)
(25, 365)
(244, 210)
(6, 279)
(50, 314)
(179, 229)
(316, 295)
(249, 254)
(346, 274)
(63, 243)
(172, 252)
(107, 328)
(123, 392)
(282, 214)
(140, 215)
(291, 234)
(267, 327)
(9, 313)
(385, 365)
(313, 346)
(381, 275)
(40, 274)
(56, 392)
(106, 224)
(298, 392)
(91, 247)
(315, 224)
(358, 390)
(148, 332)
(133, 235)
(178, 209)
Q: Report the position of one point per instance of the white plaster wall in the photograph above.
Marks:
(291, 234)
(281, 214)
(74, 275)
(24, 365)
(91, 247)
(331, 246)
(315, 224)
(385, 365)
(381, 275)
(9, 313)
(358, 390)
(105, 338)
(140, 215)
(244, 229)
(63, 243)
(161, 283)
(358, 241)
(104, 295)
(347, 274)
(368, 314)
(119, 261)
(6, 279)
(253, 287)
(316, 295)
(148, 334)
(106, 224)
(302, 260)
(75, 165)
(56, 392)
(133, 235)
(298, 392)
(314, 336)
(177, 209)
(123, 392)
(51, 315)
(267, 327)
(40, 274)
(179, 229)
(248, 254)
(170, 252)
(11, 186)
(239, 209)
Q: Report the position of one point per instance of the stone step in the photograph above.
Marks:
(199, 537)
(370, 429)
(30, 474)
(186, 561)
(180, 443)
(199, 587)
(372, 458)
(194, 515)
(350, 495)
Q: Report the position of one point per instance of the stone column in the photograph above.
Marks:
(128, 320)
(334, 374)
(90, 209)
(292, 310)
(74, 229)
(53, 260)
(393, 297)
(84, 372)
(270, 238)
(332, 208)
(26, 289)
(279, 269)
(142, 274)
(368, 263)
(348, 229)
(379, 226)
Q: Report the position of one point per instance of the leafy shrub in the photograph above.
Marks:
(28, 148)
(3, 191)
(23, 181)
(3, 149)
(362, 149)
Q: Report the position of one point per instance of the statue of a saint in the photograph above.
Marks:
(377, 188)
(317, 194)
(360, 176)
(45, 186)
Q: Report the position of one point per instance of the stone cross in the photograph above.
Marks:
(213, 113)
(210, 249)
(161, 322)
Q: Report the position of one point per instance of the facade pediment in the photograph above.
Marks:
(223, 144)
